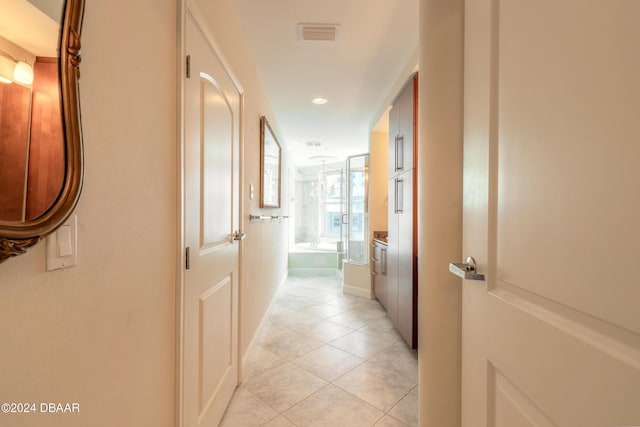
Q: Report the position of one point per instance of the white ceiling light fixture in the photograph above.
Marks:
(23, 73)
(318, 32)
(13, 70)
(319, 101)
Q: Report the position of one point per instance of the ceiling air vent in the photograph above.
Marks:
(318, 32)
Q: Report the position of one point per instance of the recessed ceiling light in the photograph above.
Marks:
(319, 101)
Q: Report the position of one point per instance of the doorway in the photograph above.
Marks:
(315, 234)
(330, 225)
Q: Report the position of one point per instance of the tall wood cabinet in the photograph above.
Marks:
(402, 283)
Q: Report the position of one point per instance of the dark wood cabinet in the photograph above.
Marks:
(379, 271)
(401, 280)
(392, 252)
(406, 291)
(402, 127)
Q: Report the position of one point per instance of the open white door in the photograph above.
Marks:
(551, 208)
(210, 294)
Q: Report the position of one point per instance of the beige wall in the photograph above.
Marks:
(378, 181)
(103, 333)
(440, 117)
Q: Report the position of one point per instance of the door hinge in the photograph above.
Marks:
(188, 66)
(187, 263)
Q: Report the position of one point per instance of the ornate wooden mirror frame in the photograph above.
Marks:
(17, 237)
(270, 166)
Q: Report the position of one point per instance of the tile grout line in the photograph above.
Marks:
(367, 309)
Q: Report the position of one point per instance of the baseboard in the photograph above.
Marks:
(265, 317)
(359, 292)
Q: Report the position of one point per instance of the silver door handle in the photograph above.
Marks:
(399, 153)
(395, 155)
(399, 199)
(383, 256)
(238, 235)
(466, 270)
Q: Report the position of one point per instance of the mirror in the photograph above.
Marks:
(41, 165)
(269, 166)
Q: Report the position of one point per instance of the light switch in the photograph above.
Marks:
(251, 192)
(62, 246)
(63, 236)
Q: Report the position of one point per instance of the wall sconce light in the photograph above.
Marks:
(13, 70)
(23, 73)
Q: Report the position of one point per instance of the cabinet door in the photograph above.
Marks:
(392, 254)
(382, 276)
(378, 274)
(405, 256)
(404, 155)
(402, 118)
(375, 271)
(394, 128)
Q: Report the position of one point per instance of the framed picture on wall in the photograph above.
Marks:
(270, 166)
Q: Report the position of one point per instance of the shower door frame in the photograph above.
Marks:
(346, 212)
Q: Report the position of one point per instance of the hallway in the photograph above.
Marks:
(323, 359)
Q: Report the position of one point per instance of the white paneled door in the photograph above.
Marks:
(210, 297)
(551, 208)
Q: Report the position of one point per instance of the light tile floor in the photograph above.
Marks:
(325, 358)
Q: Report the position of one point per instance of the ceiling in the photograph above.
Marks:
(32, 25)
(375, 48)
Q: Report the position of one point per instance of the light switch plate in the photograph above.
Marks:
(62, 246)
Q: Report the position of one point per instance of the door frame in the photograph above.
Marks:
(440, 160)
(367, 240)
(187, 8)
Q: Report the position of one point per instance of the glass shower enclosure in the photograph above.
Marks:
(356, 210)
(317, 208)
(331, 210)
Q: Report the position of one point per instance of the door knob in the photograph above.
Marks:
(238, 235)
(466, 270)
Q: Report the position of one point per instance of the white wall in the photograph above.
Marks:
(103, 333)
